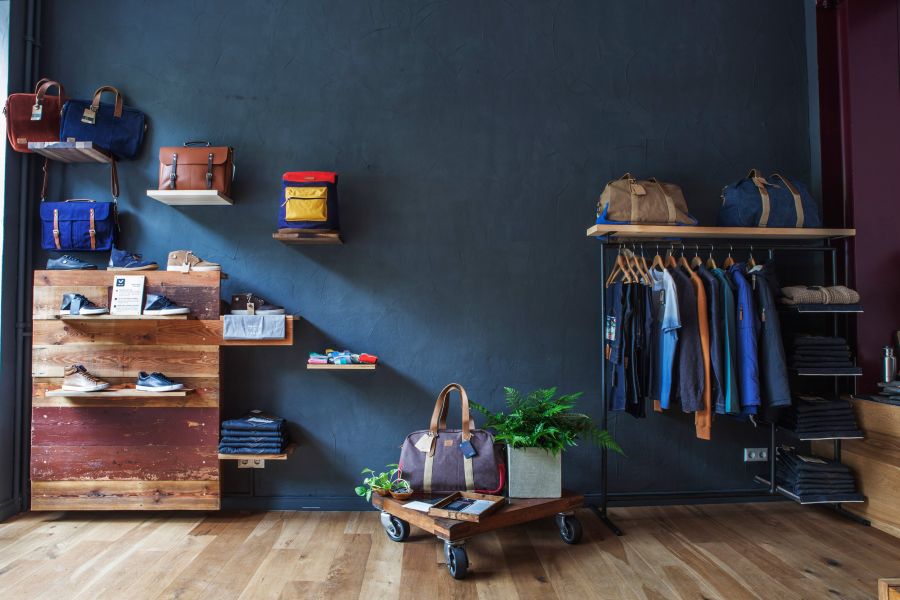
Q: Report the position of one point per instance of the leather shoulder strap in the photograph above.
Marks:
(798, 202)
(95, 102)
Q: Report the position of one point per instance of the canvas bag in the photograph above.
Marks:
(642, 202)
(113, 127)
(309, 200)
(759, 202)
(431, 459)
(34, 117)
(80, 225)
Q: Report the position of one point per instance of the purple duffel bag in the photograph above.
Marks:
(432, 460)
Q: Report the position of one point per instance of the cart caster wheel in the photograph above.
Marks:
(396, 529)
(569, 528)
(457, 561)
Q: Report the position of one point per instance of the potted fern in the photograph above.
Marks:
(536, 429)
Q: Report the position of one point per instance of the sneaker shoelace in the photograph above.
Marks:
(87, 375)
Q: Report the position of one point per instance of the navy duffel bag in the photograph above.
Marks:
(113, 127)
(757, 202)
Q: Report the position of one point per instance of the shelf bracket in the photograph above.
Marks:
(251, 463)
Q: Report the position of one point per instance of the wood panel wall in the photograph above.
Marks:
(126, 453)
(876, 462)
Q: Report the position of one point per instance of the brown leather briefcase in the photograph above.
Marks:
(196, 166)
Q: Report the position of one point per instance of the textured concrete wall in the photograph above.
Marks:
(473, 139)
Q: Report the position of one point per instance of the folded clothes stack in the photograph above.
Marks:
(821, 353)
(816, 294)
(333, 357)
(814, 417)
(815, 479)
(254, 433)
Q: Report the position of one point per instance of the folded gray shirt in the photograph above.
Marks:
(254, 327)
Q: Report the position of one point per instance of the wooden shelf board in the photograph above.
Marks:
(71, 152)
(108, 317)
(283, 456)
(722, 233)
(287, 340)
(117, 393)
(310, 237)
(355, 367)
(191, 197)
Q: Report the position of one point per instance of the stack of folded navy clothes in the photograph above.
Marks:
(814, 417)
(815, 354)
(254, 433)
(815, 479)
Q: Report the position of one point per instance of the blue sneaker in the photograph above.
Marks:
(124, 260)
(162, 306)
(156, 382)
(68, 263)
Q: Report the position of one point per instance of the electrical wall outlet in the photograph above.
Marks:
(756, 454)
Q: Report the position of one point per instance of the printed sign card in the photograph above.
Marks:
(128, 295)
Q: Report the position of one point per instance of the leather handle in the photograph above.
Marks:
(114, 180)
(670, 204)
(760, 182)
(45, 169)
(44, 87)
(798, 202)
(40, 82)
(95, 102)
(200, 143)
(439, 416)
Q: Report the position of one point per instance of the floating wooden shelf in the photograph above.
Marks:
(191, 197)
(307, 236)
(117, 393)
(356, 367)
(287, 340)
(123, 317)
(254, 457)
(71, 152)
(718, 233)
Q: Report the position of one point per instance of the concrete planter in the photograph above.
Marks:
(534, 473)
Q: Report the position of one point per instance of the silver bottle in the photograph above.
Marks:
(889, 365)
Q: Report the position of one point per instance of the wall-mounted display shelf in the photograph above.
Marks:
(822, 308)
(252, 457)
(839, 372)
(623, 232)
(307, 236)
(117, 393)
(356, 367)
(191, 197)
(123, 317)
(830, 499)
(288, 340)
(71, 152)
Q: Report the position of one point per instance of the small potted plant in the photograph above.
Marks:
(380, 483)
(400, 488)
(536, 429)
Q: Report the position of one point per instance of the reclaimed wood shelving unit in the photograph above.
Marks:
(123, 449)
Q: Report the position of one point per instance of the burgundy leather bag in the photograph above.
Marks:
(196, 166)
(432, 460)
(34, 117)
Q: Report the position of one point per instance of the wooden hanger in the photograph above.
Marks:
(658, 262)
(729, 260)
(683, 261)
(644, 268)
(696, 261)
(670, 258)
(617, 268)
(751, 262)
(640, 266)
(711, 262)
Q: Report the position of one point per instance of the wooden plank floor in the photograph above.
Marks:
(765, 551)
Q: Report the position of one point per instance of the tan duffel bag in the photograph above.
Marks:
(642, 202)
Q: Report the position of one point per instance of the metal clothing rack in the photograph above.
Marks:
(634, 237)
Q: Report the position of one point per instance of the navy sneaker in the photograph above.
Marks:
(124, 260)
(68, 263)
(162, 306)
(156, 382)
(76, 304)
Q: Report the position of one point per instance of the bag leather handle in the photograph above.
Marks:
(439, 416)
(95, 102)
(42, 91)
(760, 182)
(670, 204)
(798, 202)
(40, 82)
(203, 144)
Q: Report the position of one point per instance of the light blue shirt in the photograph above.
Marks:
(665, 307)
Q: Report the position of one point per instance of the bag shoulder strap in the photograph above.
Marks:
(670, 203)
(760, 182)
(798, 202)
(95, 102)
(439, 415)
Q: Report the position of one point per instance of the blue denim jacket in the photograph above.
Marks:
(747, 341)
(773, 373)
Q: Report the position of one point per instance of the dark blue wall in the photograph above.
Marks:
(472, 139)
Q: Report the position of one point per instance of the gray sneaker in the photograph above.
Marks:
(77, 379)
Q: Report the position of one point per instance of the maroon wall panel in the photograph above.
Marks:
(154, 463)
(125, 426)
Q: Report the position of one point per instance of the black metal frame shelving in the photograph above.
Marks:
(633, 237)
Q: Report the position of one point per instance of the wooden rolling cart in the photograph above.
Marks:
(396, 520)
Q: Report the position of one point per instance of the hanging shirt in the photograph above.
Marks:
(689, 353)
(703, 417)
(613, 346)
(729, 343)
(772, 364)
(747, 347)
(666, 318)
(716, 337)
(635, 349)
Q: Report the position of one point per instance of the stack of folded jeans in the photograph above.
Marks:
(254, 433)
(821, 354)
(814, 417)
(815, 479)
